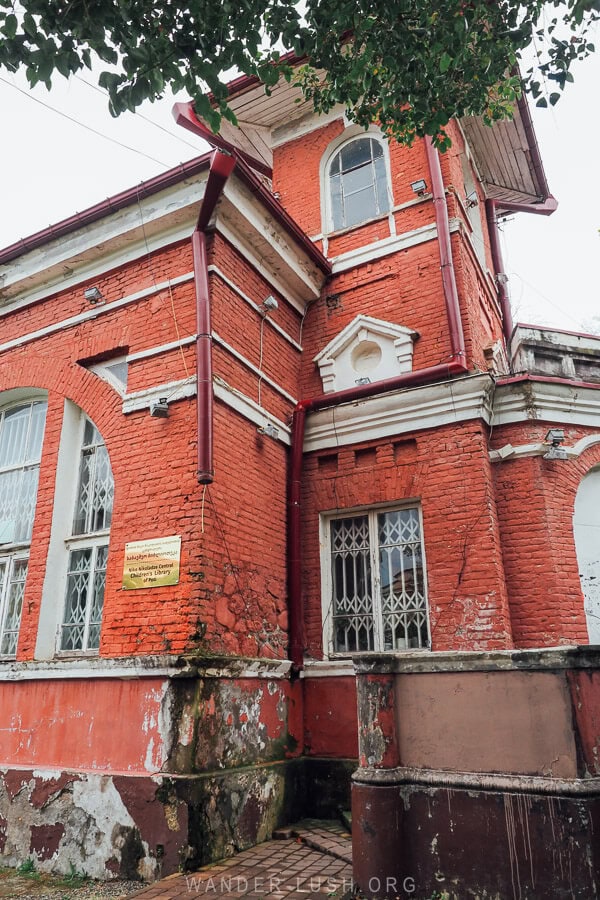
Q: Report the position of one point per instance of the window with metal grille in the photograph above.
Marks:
(358, 183)
(21, 436)
(377, 581)
(88, 548)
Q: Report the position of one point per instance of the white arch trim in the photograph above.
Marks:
(349, 134)
(538, 449)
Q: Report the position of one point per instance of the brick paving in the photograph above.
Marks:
(327, 836)
(288, 869)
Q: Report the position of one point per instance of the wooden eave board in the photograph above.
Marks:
(503, 158)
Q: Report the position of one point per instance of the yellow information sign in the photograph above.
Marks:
(152, 563)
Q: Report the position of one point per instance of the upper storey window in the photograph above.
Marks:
(358, 183)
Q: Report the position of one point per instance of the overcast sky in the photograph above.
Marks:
(52, 167)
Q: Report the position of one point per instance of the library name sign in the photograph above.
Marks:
(152, 563)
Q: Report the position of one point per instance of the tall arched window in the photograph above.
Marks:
(88, 546)
(21, 436)
(357, 182)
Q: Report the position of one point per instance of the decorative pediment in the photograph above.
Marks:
(366, 350)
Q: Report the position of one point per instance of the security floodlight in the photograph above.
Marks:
(269, 431)
(419, 187)
(93, 295)
(160, 409)
(269, 304)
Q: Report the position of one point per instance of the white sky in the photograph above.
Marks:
(53, 167)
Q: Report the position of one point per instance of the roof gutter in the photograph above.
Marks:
(546, 208)
(456, 365)
(105, 208)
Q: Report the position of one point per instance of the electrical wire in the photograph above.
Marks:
(150, 268)
(140, 115)
(83, 125)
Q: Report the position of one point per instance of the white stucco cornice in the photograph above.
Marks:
(401, 412)
(152, 222)
(115, 239)
(567, 402)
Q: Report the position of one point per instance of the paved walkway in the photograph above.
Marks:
(314, 861)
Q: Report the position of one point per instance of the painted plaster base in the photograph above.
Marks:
(138, 827)
(457, 843)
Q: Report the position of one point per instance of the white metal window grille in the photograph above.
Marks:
(379, 599)
(86, 580)
(13, 572)
(93, 511)
(21, 437)
(86, 573)
(358, 183)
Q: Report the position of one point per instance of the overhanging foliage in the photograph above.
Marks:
(411, 64)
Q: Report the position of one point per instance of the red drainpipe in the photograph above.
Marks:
(455, 366)
(545, 208)
(221, 167)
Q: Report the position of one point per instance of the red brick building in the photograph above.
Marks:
(257, 415)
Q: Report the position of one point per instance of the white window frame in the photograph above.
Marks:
(327, 576)
(352, 134)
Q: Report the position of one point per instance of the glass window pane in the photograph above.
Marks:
(383, 201)
(356, 153)
(10, 485)
(25, 512)
(403, 601)
(13, 605)
(78, 581)
(358, 180)
(351, 570)
(13, 436)
(95, 494)
(102, 501)
(376, 149)
(359, 207)
(21, 435)
(337, 207)
(36, 432)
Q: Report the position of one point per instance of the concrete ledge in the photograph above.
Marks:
(165, 666)
(522, 784)
(556, 658)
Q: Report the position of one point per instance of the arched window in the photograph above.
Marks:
(21, 436)
(586, 529)
(88, 546)
(358, 183)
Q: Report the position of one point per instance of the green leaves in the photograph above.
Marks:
(411, 64)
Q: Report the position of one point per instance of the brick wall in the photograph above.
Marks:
(231, 593)
(448, 471)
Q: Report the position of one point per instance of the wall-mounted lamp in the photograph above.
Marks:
(555, 438)
(471, 200)
(160, 408)
(363, 380)
(93, 295)
(269, 304)
(419, 187)
(269, 431)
